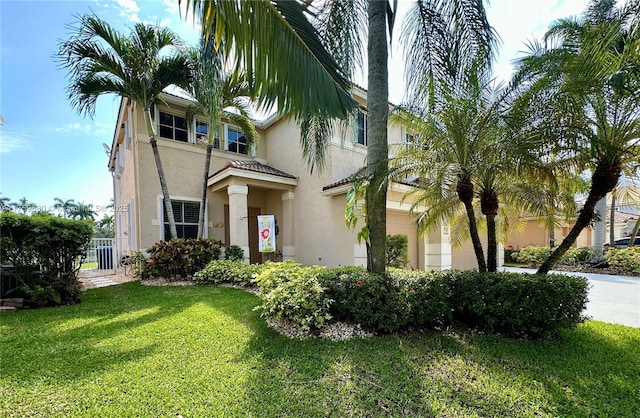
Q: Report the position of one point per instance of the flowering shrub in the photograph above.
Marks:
(225, 271)
(292, 292)
(628, 258)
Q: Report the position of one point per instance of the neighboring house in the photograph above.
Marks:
(270, 178)
(534, 233)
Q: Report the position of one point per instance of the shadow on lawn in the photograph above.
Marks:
(587, 373)
(55, 348)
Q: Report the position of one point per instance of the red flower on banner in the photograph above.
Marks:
(265, 233)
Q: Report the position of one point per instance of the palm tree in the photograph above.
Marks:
(83, 212)
(23, 205)
(580, 91)
(280, 33)
(5, 204)
(215, 91)
(102, 61)
(64, 205)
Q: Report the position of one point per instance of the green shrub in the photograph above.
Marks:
(46, 253)
(181, 257)
(628, 258)
(234, 253)
(519, 305)
(575, 256)
(292, 292)
(141, 269)
(533, 256)
(397, 252)
(225, 271)
(510, 255)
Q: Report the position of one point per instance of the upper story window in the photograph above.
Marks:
(362, 129)
(236, 142)
(202, 129)
(173, 127)
(412, 139)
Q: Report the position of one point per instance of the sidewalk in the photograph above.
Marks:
(613, 299)
(94, 278)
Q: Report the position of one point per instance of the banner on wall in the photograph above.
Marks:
(267, 233)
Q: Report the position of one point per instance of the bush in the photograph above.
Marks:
(533, 256)
(575, 256)
(46, 253)
(519, 305)
(234, 253)
(397, 252)
(181, 257)
(628, 258)
(225, 271)
(510, 255)
(292, 292)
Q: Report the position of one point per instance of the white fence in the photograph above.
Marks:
(102, 252)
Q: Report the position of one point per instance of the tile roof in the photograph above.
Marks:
(255, 166)
(414, 182)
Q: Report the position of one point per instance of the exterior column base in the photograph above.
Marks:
(289, 253)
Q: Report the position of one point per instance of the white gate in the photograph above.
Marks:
(102, 252)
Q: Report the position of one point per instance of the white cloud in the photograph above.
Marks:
(95, 129)
(129, 10)
(12, 141)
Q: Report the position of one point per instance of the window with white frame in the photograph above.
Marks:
(236, 142)
(173, 127)
(362, 129)
(412, 139)
(202, 129)
(186, 215)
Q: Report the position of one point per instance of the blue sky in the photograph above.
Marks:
(47, 150)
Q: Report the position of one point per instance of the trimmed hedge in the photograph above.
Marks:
(628, 258)
(45, 252)
(512, 304)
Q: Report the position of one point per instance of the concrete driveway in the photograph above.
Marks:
(613, 299)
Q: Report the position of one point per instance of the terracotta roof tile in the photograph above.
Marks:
(255, 166)
(358, 175)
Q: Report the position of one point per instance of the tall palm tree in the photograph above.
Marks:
(64, 205)
(581, 93)
(5, 204)
(83, 212)
(102, 61)
(281, 33)
(23, 205)
(215, 91)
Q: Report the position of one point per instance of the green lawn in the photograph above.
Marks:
(132, 350)
(91, 265)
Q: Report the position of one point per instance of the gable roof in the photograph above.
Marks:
(358, 175)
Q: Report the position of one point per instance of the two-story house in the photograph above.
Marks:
(270, 178)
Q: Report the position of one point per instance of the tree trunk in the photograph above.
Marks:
(377, 148)
(464, 189)
(599, 231)
(203, 198)
(489, 204)
(163, 181)
(604, 179)
(612, 220)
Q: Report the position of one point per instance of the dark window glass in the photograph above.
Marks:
(362, 128)
(173, 127)
(186, 215)
(236, 142)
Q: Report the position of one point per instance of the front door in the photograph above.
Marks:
(252, 220)
(254, 255)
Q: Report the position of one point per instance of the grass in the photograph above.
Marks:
(132, 350)
(91, 265)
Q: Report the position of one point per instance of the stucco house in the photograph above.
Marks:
(270, 178)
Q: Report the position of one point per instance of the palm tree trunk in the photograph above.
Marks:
(612, 220)
(464, 189)
(599, 231)
(492, 244)
(203, 199)
(163, 181)
(552, 236)
(604, 179)
(377, 148)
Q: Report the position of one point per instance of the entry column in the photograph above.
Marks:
(288, 231)
(238, 225)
